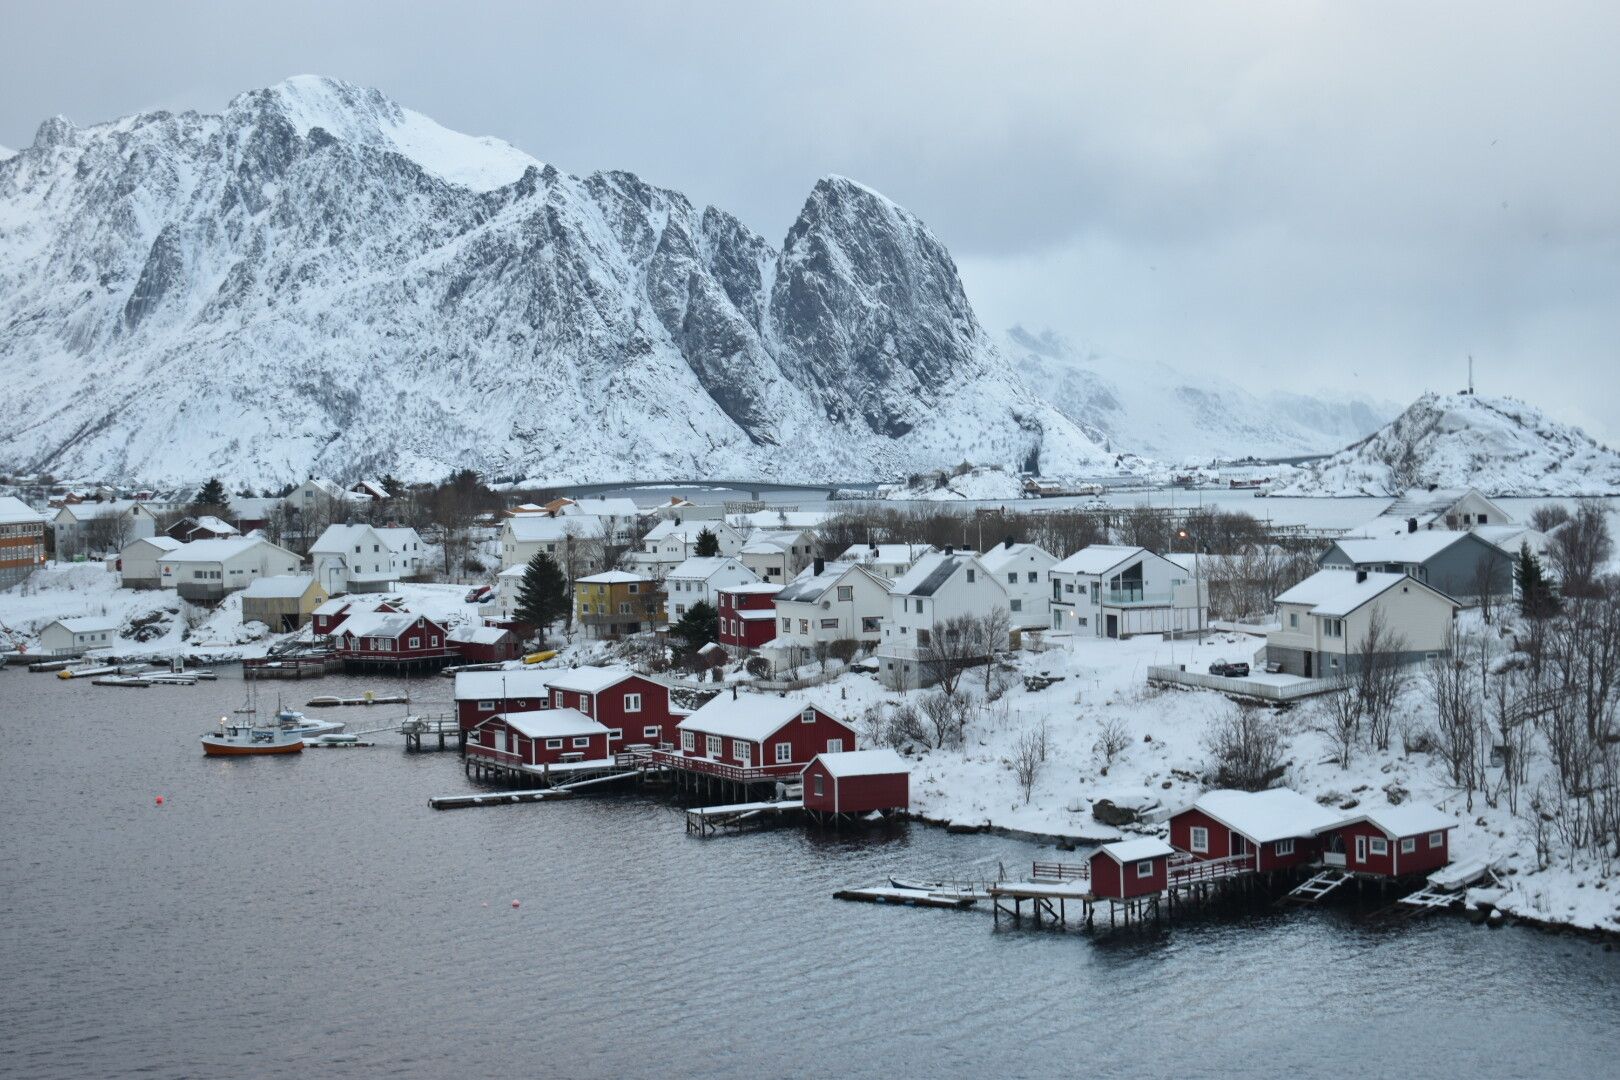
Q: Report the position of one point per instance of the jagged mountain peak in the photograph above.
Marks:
(320, 279)
(1500, 445)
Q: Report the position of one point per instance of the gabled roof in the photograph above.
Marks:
(13, 511)
(612, 577)
(1000, 556)
(385, 624)
(1409, 819)
(1098, 558)
(161, 542)
(214, 524)
(1428, 506)
(809, 588)
(89, 624)
(1129, 851)
(883, 762)
(507, 682)
(279, 587)
(1417, 547)
(478, 635)
(1336, 593)
(552, 723)
(702, 568)
(686, 531)
(588, 680)
(620, 508)
(339, 539)
(748, 716)
(528, 528)
(396, 538)
(217, 550)
(893, 554)
(754, 588)
(773, 542)
(1265, 816)
(929, 573)
(779, 519)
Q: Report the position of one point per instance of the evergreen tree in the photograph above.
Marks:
(393, 485)
(699, 626)
(707, 544)
(1537, 598)
(212, 496)
(543, 596)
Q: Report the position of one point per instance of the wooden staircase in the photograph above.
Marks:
(1309, 892)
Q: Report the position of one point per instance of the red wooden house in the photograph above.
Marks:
(747, 616)
(392, 639)
(1393, 841)
(857, 782)
(1276, 829)
(634, 708)
(1131, 868)
(329, 616)
(484, 644)
(480, 695)
(540, 737)
(752, 737)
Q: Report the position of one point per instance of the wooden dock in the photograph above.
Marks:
(708, 820)
(905, 897)
(497, 798)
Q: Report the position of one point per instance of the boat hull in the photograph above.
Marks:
(223, 749)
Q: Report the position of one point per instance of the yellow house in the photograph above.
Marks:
(616, 603)
(283, 602)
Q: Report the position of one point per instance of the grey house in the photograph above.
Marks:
(1456, 563)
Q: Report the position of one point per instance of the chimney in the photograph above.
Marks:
(821, 564)
(1007, 543)
(1361, 575)
(733, 691)
(949, 550)
(1411, 525)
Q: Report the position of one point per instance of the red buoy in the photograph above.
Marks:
(160, 800)
(514, 903)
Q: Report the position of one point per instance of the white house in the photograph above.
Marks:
(1110, 590)
(1455, 509)
(138, 561)
(670, 543)
(77, 635)
(942, 586)
(365, 558)
(1022, 570)
(778, 555)
(699, 580)
(93, 527)
(1323, 621)
(621, 509)
(886, 560)
(208, 569)
(319, 495)
(831, 602)
(527, 535)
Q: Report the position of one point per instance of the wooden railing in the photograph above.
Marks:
(1190, 871)
(741, 774)
(1056, 871)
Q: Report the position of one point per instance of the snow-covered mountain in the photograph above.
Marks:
(318, 279)
(1151, 409)
(1499, 445)
(6, 151)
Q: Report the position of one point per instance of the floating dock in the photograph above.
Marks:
(497, 798)
(708, 820)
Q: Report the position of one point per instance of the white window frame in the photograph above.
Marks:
(1144, 868)
(1408, 845)
(652, 731)
(835, 746)
(743, 752)
(808, 716)
(616, 733)
(486, 706)
(714, 747)
(1198, 840)
(1377, 845)
(581, 742)
(1283, 847)
(688, 742)
(1361, 849)
(632, 703)
(554, 744)
(1436, 839)
(817, 786)
(784, 753)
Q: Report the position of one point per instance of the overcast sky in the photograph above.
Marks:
(1318, 196)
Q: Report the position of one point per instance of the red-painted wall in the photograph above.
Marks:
(1110, 879)
(753, 632)
(606, 707)
(1422, 860)
(1306, 848)
(855, 794)
(805, 740)
(492, 740)
(429, 635)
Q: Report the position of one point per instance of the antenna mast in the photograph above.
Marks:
(1470, 374)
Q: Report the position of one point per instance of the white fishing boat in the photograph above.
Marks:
(240, 737)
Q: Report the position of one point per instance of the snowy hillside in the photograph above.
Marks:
(1154, 410)
(1499, 445)
(320, 280)
(6, 151)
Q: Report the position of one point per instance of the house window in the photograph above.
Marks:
(740, 750)
(581, 741)
(634, 588)
(414, 643)
(1199, 839)
(804, 626)
(651, 731)
(688, 741)
(1033, 577)
(553, 744)
(714, 746)
(971, 576)
(556, 699)
(829, 624)
(1012, 578)
(1378, 846)
(784, 753)
(624, 608)
(870, 624)
(835, 746)
(818, 785)
(1283, 847)
(1293, 620)
(486, 706)
(1017, 605)
(1436, 839)
(1408, 845)
(808, 716)
(787, 626)
(584, 704)
(1144, 868)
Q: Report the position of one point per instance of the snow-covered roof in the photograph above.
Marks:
(771, 543)
(398, 538)
(621, 508)
(893, 554)
(1509, 537)
(1265, 816)
(215, 550)
(1129, 851)
(339, 539)
(1414, 547)
(928, 573)
(89, 624)
(1097, 558)
(588, 680)
(382, 624)
(881, 762)
(809, 588)
(704, 567)
(13, 511)
(754, 588)
(507, 682)
(214, 524)
(88, 511)
(528, 528)
(687, 531)
(998, 557)
(746, 716)
(279, 587)
(333, 606)
(1428, 506)
(1409, 819)
(514, 571)
(1336, 593)
(610, 577)
(779, 519)
(552, 723)
(161, 542)
(755, 614)
(478, 635)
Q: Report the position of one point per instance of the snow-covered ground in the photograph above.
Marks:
(979, 484)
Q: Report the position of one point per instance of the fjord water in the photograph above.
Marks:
(311, 916)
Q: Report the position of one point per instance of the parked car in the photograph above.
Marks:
(1231, 671)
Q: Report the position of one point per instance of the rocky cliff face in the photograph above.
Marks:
(320, 280)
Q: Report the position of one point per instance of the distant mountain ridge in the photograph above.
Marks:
(319, 280)
(1153, 410)
(1499, 445)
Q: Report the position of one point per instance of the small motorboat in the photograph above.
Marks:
(243, 737)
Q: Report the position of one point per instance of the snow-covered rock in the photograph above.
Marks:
(317, 279)
(1151, 409)
(1499, 445)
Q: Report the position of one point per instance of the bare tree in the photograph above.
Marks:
(1485, 579)
(1579, 549)
(1456, 718)
(1379, 678)
(949, 649)
(1338, 718)
(946, 715)
(109, 532)
(1246, 745)
(1112, 740)
(1028, 756)
(995, 631)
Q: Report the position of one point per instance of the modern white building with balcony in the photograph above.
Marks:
(1110, 590)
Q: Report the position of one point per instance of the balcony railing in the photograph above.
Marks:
(1136, 598)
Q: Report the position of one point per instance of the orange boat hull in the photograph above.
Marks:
(217, 750)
